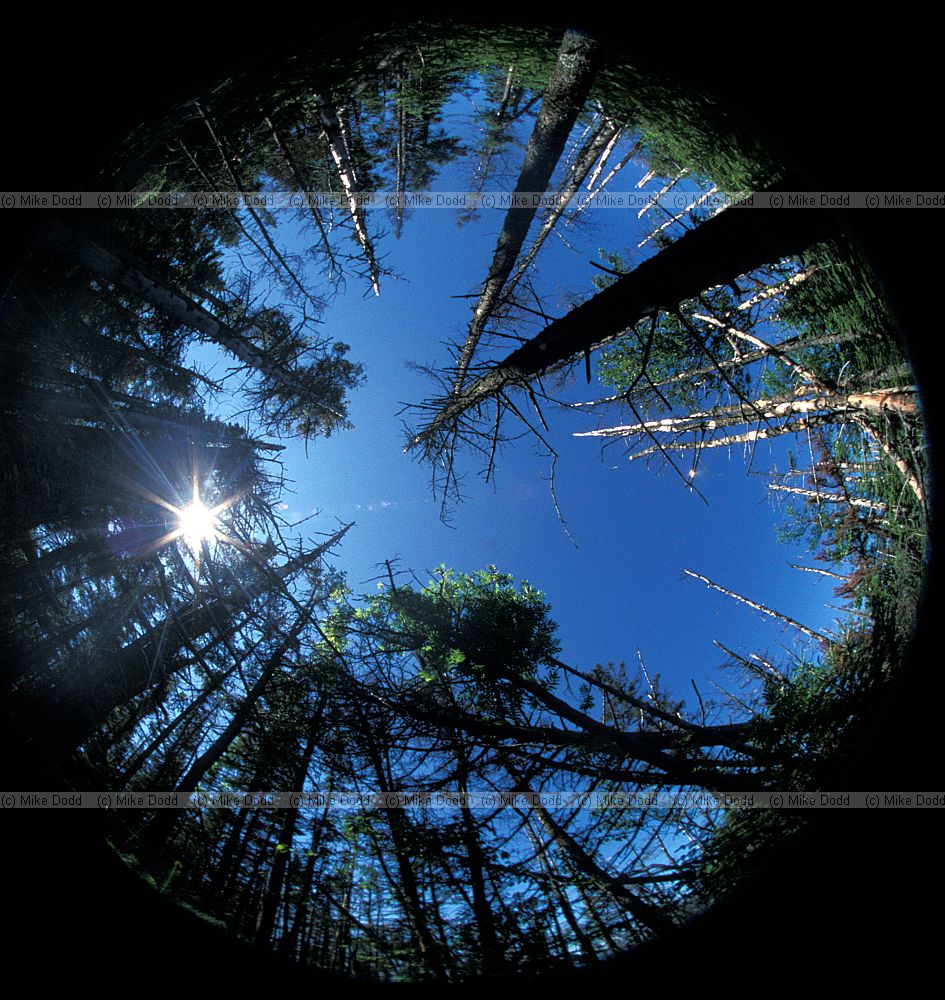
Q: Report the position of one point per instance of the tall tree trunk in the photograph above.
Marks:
(132, 276)
(836, 405)
(156, 834)
(234, 851)
(231, 170)
(596, 144)
(304, 186)
(145, 753)
(338, 148)
(564, 904)
(648, 915)
(271, 897)
(492, 958)
(602, 928)
(398, 824)
(84, 698)
(717, 252)
(251, 888)
(568, 86)
(292, 940)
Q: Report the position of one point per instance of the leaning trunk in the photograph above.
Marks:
(717, 252)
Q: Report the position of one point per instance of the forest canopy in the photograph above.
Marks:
(162, 356)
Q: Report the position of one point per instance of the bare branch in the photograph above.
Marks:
(759, 607)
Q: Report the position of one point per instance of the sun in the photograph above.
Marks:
(197, 523)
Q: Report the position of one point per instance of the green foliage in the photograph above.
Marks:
(476, 631)
(814, 724)
(814, 721)
(843, 296)
(321, 371)
(685, 128)
(476, 621)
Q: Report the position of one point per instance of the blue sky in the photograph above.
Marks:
(622, 587)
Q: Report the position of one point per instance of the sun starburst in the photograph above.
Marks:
(198, 523)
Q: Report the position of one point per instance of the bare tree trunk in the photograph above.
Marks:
(338, 149)
(267, 913)
(725, 365)
(398, 825)
(649, 916)
(816, 569)
(84, 698)
(564, 904)
(145, 753)
(727, 246)
(304, 186)
(665, 189)
(156, 834)
(563, 100)
(779, 288)
(747, 437)
(492, 958)
(900, 400)
(593, 149)
(247, 203)
(910, 478)
(694, 204)
(401, 168)
(743, 412)
(771, 350)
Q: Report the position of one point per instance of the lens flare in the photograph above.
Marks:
(197, 524)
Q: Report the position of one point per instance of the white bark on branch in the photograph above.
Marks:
(338, 148)
(775, 408)
(676, 218)
(781, 286)
(745, 359)
(759, 607)
(606, 132)
(563, 99)
(820, 572)
(611, 174)
(768, 349)
(604, 157)
(748, 437)
(659, 194)
(727, 416)
(900, 463)
(828, 498)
